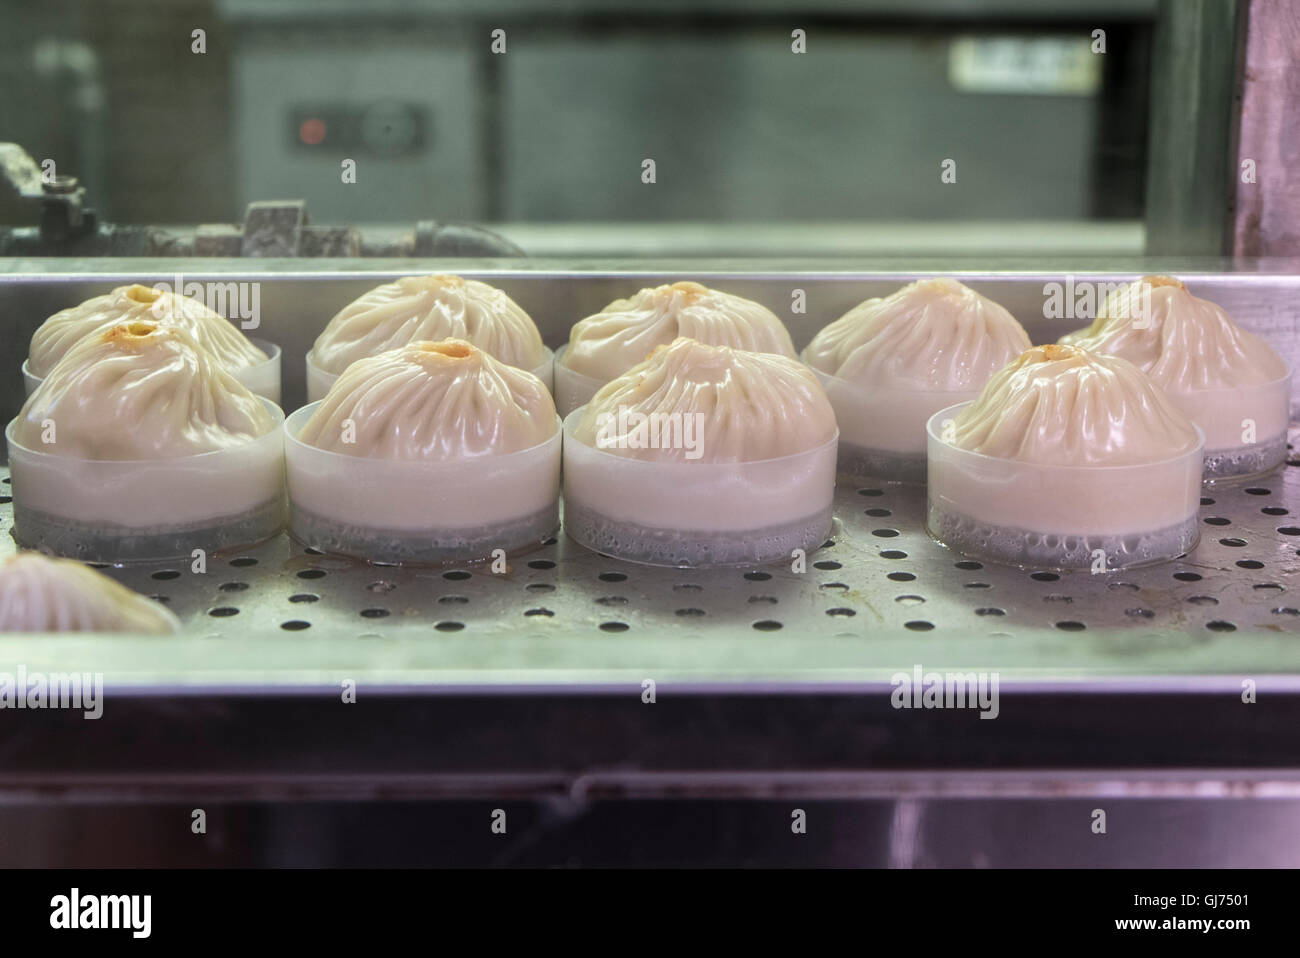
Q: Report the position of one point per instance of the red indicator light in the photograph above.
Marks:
(312, 131)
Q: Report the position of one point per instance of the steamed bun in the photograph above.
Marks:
(628, 330)
(1061, 405)
(432, 401)
(221, 338)
(1182, 342)
(41, 594)
(140, 390)
(429, 308)
(933, 334)
(753, 405)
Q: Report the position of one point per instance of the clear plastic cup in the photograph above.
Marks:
(149, 509)
(882, 430)
(572, 389)
(1099, 518)
(695, 513)
(1230, 417)
(387, 510)
(263, 379)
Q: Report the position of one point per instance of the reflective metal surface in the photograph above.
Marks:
(1044, 828)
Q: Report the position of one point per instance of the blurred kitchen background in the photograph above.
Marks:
(757, 150)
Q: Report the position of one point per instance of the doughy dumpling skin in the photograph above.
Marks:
(752, 405)
(1181, 341)
(140, 390)
(432, 401)
(933, 334)
(429, 308)
(217, 335)
(628, 330)
(41, 594)
(1061, 405)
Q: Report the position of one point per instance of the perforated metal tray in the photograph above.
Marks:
(880, 595)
